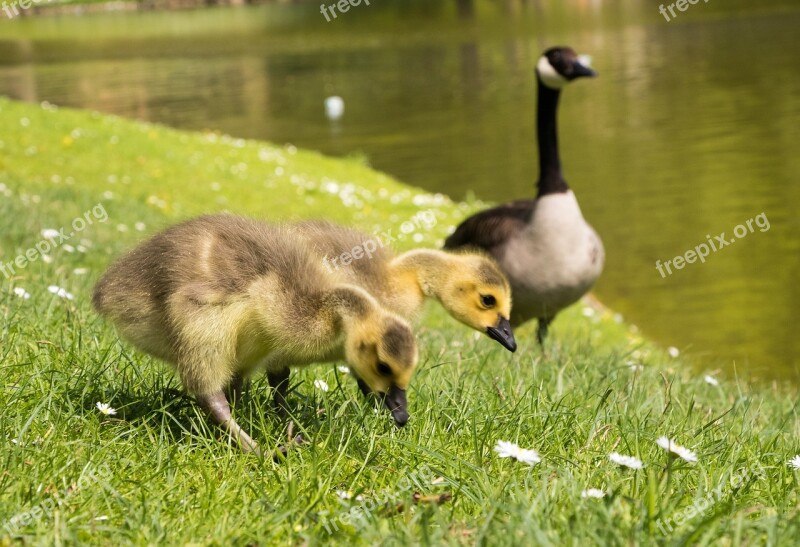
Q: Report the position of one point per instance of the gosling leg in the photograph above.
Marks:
(279, 382)
(216, 405)
(234, 390)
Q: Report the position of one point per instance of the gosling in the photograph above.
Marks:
(219, 296)
(469, 285)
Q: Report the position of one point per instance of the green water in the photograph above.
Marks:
(691, 130)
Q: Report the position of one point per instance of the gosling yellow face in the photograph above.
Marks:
(383, 356)
(478, 295)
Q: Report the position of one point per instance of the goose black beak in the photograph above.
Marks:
(502, 333)
(582, 71)
(397, 404)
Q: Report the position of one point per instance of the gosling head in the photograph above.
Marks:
(558, 66)
(382, 353)
(478, 294)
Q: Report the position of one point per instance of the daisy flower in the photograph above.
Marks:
(711, 380)
(321, 385)
(593, 493)
(343, 369)
(795, 462)
(347, 494)
(625, 461)
(676, 449)
(22, 293)
(106, 409)
(506, 449)
(49, 233)
(61, 293)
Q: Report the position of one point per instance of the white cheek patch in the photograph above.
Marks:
(585, 60)
(549, 76)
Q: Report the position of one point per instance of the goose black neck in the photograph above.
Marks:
(551, 180)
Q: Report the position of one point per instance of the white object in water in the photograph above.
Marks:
(334, 107)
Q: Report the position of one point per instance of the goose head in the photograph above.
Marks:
(558, 66)
(477, 294)
(382, 353)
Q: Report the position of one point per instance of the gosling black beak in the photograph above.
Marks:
(397, 404)
(502, 333)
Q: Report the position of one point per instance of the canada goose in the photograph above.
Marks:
(469, 286)
(549, 252)
(219, 296)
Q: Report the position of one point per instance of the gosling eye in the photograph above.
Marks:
(488, 300)
(384, 369)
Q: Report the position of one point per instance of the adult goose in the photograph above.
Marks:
(549, 253)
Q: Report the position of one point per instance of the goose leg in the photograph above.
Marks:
(541, 332)
(279, 382)
(216, 405)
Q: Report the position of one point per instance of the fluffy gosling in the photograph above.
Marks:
(469, 285)
(219, 296)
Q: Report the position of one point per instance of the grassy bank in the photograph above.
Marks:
(155, 474)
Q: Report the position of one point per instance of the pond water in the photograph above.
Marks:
(692, 128)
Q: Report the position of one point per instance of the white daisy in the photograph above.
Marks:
(506, 449)
(322, 385)
(678, 450)
(795, 462)
(343, 369)
(140, 226)
(104, 408)
(673, 351)
(80, 271)
(711, 380)
(50, 233)
(593, 493)
(347, 494)
(625, 461)
(61, 293)
(22, 293)
(588, 312)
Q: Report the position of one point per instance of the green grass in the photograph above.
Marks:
(156, 473)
